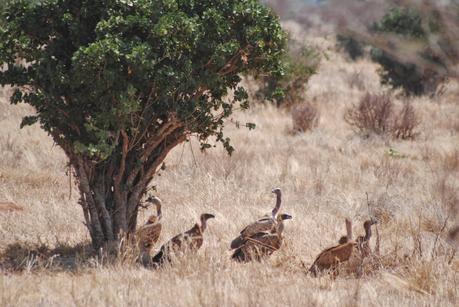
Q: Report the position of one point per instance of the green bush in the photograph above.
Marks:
(352, 47)
(300, 63)
(402, 21)
(119, 83)
(415, 79)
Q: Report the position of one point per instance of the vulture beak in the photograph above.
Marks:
(208, 216)
(154, 200)
(285, 216)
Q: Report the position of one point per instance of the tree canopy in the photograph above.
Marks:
(95, 67)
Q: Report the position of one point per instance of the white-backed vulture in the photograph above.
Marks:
(363, 242)
(330, 258)
(261, 244)
(265, 224)
(189, 241)
(347, 250)
(149, 233)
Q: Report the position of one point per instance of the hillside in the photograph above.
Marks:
(325, 175)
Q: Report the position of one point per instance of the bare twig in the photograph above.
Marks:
(452, 256)
(377, 247)
(70, 180)
(124, 153)
(192, 153)
(438, 235)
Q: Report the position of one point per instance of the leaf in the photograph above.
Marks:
(28, 121)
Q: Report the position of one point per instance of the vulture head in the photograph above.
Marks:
(284, 216)
(367, 226)
(157, 202)
(278, 193)
(204, 218)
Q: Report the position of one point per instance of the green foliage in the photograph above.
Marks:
(2, 8)
(300, 64)
(95, 68)
(408, 25)
(352, 47)
(401, 21)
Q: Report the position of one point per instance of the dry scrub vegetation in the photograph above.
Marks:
(324, 173)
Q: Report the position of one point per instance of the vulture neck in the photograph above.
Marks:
(367, 232)
(280, 228)
(278, 204)
(203, 224)
(349, 229)
(158, 212)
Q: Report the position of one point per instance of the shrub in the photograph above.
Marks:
(287, 90)
(118, 84)
(406, 73)
(372, 114)
(402, 21)
(305, 117)
(405, 123)
(352, 47)
(377, 114)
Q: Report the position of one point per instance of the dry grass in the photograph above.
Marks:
(324, 175)
(305, 117)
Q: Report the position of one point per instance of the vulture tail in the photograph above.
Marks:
(239, 256)
(159, 258)
(236, 243)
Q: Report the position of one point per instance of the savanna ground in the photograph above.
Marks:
(324, 174)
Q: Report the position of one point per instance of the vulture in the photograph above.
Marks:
(261, 244)
(148, 234)
(363, 242)
(347, 250)
(189, 241)
(330, 258)
(267, 223)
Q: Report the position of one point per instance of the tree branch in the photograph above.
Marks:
(124, 153)
(151, 169)
(163, 132)
(84, 205)
(99, 200)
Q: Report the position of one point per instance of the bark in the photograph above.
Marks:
(97, 234)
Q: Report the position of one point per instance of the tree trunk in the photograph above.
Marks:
(111, 190)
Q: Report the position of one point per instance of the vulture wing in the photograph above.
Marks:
(260, 226)
(333, 256)
(148, 235)
(257, 246)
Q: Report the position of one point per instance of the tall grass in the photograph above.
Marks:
(324, 175)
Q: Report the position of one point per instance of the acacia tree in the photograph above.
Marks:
(119, 83)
